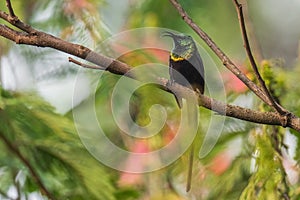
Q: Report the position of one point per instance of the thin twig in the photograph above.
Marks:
(34, 174)
(85, 65)
(10, 9)
(128, 74)
(257, 50)
(274, 104)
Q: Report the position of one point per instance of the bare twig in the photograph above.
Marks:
(256, 47)
(10, 9)
(34, 174)
(42, 39)
(128, 74)
(85, 65)
(274, 104)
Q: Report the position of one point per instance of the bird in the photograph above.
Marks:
(186, 68)
(185, 64)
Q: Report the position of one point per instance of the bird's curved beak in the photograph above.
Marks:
(168, 34)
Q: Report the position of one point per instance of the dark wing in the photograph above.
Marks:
(198, 79)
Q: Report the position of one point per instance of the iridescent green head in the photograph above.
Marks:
(184, 45)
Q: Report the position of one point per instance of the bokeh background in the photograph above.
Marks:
(39, 140)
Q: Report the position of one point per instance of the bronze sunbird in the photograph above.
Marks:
(186, 60)
(186, 68)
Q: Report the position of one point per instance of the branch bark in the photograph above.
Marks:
(30, 36)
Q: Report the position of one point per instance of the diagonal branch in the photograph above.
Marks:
(274, 104)
(266, 97)
(41, 39)
(85, 65)
(34, 174)
(223, 57)
(256, 47)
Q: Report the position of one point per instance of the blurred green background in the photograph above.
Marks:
(40, 147)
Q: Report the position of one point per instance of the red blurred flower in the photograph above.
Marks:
(232, 83)
(76, 6)
(134, 164)
(221, 163)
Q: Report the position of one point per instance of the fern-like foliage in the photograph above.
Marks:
(41, 154)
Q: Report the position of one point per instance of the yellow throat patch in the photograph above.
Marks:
(176, 58)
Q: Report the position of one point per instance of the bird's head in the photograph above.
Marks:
(184, 45)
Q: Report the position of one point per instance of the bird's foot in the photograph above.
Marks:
(169, 83)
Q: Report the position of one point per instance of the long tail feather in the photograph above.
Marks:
(190, 170)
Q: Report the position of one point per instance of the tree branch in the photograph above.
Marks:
(34, 174)
(274, 104)
(270, 118)
(262, 94)
(222, 56)
(42, 39)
